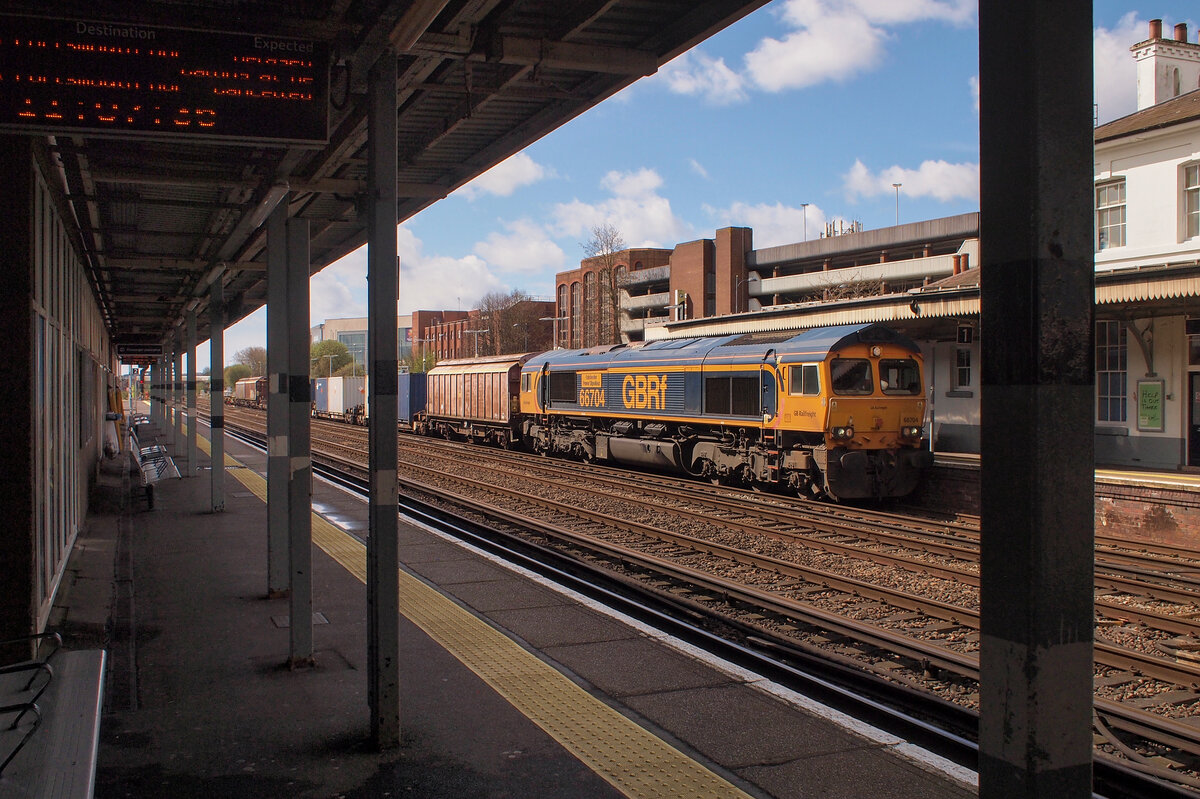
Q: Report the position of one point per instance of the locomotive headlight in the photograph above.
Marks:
(843, 432)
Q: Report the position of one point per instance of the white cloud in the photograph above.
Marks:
(697, 74)
(832, 44)
(437, 282)
(974, 84)
(506, 177)
(526, 248)
(773, 225)
(698, 168)
(895, 12)
(642, 216)
(632, 184)
(340, 289)
(938, 179)
(835, 40)
(1114, 70)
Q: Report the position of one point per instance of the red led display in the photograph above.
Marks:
(61, 76)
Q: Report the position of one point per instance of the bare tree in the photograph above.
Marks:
(253, 357)
(605, 247)
(847, 286)
(510, 320)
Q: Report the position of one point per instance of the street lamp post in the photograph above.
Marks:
(804, 218)
(526, 326)
(738, 291)
(555, 320)
(897, 186)
(476, 333)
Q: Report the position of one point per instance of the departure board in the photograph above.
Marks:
(60, 76)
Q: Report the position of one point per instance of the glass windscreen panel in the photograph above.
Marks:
(851, 376)
(900, 376)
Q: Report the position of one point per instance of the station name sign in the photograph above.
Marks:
(130, 353)
(62, 75)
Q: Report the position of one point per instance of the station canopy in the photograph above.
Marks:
(174, 127)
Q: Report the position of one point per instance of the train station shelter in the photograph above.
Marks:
(168, 167)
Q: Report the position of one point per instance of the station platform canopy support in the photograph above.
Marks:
(1036, 464)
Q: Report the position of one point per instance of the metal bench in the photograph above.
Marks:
(50, 721)
(153, 464)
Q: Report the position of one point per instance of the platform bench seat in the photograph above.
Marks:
(50, 725)
(154, 464)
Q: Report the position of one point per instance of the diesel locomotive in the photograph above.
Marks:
(836, 412)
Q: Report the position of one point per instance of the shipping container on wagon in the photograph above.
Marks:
(410, 399)
(476, 390)
(321, 395)
(346, 394)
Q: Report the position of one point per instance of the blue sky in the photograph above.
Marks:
(825, 102)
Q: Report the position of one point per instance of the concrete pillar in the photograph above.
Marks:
(383, 557)
(277, 404)
(193, 456)
(216, 395)
(1037, 393)
(299, 442)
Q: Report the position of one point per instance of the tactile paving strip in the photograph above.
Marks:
(629, 757)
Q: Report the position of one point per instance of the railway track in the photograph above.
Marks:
(862, 588)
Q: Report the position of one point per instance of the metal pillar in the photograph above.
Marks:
(154, 369)
(383, 558)
(277, 403)
(177, 399)
(168, 393)
(299, 442)
(216, 391)
(193, 456)
(1037, 376)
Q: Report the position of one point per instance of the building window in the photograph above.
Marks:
(1111, 362)
(560, 321)
(1191, 201)
(591, 310)
(962, 369)
(576, 315)
(1110, 215)
(356, 344)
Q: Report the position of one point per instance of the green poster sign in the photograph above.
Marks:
(1150, 405)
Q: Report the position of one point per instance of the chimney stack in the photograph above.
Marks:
(1155, 29)
(1181, 32)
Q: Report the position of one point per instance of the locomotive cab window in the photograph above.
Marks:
(851, 376)
(899, 376)
(525, 383)
(804, 380)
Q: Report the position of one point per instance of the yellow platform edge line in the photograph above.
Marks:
(624, 754)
